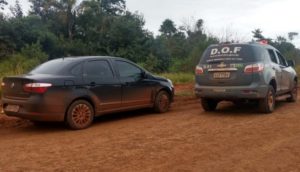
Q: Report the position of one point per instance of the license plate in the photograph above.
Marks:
(219, 90)
(221, 75)
(12, 108)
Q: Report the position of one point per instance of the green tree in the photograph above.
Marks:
(17, 10)
(168, 28)
(57, 28)
(46, 9)
(113, 7)
(292, 35)
(281, 39)
(2, 4)
(67, 15)
(257, 34)
(287, 48)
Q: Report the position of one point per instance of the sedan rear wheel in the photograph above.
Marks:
(80, 115)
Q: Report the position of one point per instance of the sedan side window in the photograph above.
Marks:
(128, 70)
(281, 59)
(272, 56)
(100, 70)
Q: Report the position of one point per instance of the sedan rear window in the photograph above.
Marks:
(51, 67)
(99, 68)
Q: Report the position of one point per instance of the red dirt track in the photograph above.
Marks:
(185, 139)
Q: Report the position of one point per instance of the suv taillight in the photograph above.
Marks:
(254, 68)
(199, 70)
(36, 87)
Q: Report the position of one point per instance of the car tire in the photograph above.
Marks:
(162, 102)
(293, 93)
(267, 104)
(80, 115)
(209, 104)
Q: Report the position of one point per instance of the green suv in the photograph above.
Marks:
(244, 72)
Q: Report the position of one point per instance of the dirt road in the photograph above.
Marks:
(184, 139)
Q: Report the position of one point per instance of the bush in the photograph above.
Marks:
(150, 64)
(297, 69)
(20, 63)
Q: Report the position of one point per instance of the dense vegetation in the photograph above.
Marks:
(57, 28)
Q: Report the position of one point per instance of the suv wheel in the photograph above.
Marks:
(267, 104)
(162, 102)
(209, 104)
(80, 115)
(293, 93)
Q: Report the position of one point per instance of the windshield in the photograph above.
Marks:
(51, 67)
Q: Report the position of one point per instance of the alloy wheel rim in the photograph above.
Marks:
(81, 115)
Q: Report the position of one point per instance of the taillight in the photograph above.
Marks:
(254, 68)
(2, 84)
(199, 70)
(36, 87)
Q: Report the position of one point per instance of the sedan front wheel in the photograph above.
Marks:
(162, 102)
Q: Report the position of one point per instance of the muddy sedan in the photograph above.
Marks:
(75, 90)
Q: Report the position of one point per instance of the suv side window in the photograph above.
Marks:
(281, 59)
(272, 56)
(128, 71)
(77, 70)
(99, 70)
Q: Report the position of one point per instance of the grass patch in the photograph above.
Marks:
(185, 93)
(297, 70)
(179, 78)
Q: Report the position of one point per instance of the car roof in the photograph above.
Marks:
(255, 44)
(83, 58)
(90, 57)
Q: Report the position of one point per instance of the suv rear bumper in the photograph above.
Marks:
(253, 91)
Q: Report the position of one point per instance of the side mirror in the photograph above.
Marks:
(291, 63)
(144, 74)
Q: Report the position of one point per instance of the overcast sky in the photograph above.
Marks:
(236, 18)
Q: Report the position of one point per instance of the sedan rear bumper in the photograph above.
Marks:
(37, 116)
(34, 109)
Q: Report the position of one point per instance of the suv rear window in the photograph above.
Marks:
(228, 54)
